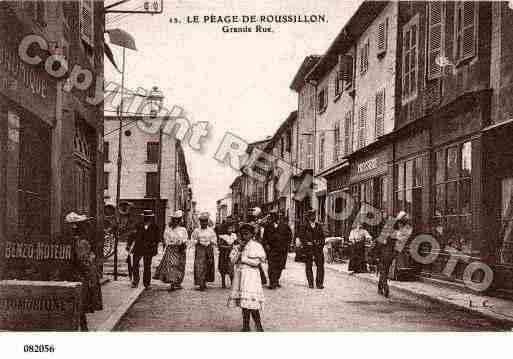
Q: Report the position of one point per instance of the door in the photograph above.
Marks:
(506, 233)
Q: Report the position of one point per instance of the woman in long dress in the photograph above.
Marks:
(247, 292)
(358, 237)
(204, 239)
(172, 266)
(85, 267)
(225, 266)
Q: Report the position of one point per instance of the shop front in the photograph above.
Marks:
(370, 183)
(27, 117)
(338, 192)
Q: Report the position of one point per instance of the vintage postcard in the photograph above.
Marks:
(271, 166)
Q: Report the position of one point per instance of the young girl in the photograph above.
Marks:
(247, 291)
(225, 265)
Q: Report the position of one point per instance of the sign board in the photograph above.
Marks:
(39, 306)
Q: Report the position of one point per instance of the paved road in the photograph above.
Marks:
(346, 304)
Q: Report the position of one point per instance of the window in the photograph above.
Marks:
(322, 100)
(106, 180)
(309, 153)
(348, 134)
(336, 139)
(453, 194)
(106, 150)
(152, 152)
(321, 151)
(152, 184)
(347, 70)
(435, 49)
(379, 126)
(339, 83)
(289, 140)
(87, 21)
(408, 187)
(465, 22)
(364, 57)
(382, 38)
(362, 123)
(410, 59)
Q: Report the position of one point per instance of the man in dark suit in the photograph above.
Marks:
(276, 239)
(143, 244)
(311, 240)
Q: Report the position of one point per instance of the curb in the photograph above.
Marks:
(115, 318)
(498, 319)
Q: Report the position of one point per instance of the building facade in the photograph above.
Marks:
(51, 133)
(141, 154)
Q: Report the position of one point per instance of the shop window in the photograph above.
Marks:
(408, 188)
(83, 167)
(453, 195)
(506, 232)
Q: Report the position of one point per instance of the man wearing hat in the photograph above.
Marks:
(311, 239)
(145, 241)
(276, 238)
(204, 238)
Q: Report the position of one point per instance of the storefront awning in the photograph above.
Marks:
(334, 169)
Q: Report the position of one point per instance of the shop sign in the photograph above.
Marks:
(39, 305)
(367, 165)
(22, 73)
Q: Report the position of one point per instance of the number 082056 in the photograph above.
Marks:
(39, 348)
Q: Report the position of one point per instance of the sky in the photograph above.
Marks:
(238, 82)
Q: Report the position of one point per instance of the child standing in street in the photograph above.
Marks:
(247, 292)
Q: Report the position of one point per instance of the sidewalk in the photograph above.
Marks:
(118, 296)
(492, 308)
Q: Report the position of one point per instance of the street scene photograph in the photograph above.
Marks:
(289, 166)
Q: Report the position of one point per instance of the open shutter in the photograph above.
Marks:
(435, 39)
(347, 68)
(382, 37)
(86, 21)
(469, 29)
(348, 133)
(362, 120)
(406, 63)
(380, 113)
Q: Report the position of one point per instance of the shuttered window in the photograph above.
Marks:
(466, 29)
(322, 143)
(336, 138)
(86, 21)
(152, 184)
(436, 20)
(364, 57)
(309, 155)
(347, 69)
(410, 59)
(348, 134)
(380, 113)
(362, 123)
(382, 37)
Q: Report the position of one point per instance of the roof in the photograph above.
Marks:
(356, 25)
(285, 124)
(299, 79)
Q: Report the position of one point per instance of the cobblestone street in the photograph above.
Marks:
(347, 304)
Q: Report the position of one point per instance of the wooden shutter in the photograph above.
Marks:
(382, 35)
(469, 34)
(435, 37)
(380, 113)
(362, 122)
(348, 133)
(347, 69)
(86, 21)
(336, 147)
(406, 62)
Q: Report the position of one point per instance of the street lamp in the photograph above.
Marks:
(122, 39)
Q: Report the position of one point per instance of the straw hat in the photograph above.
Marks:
(177, 214)
(73, 217)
